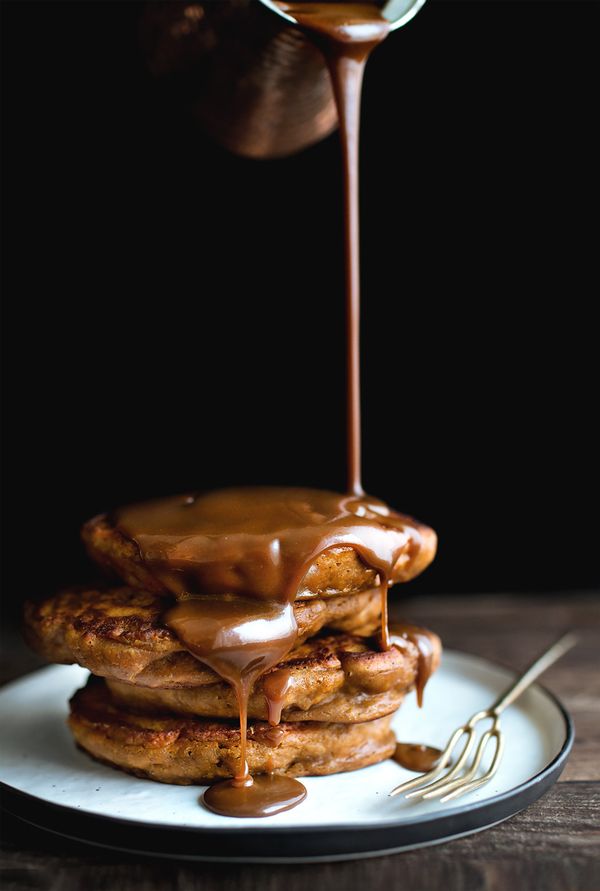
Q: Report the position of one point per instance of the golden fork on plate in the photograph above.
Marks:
(462, 778)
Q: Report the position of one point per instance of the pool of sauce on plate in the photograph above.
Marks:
(262, 796)
(416, 756)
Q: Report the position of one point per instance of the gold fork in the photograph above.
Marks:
(460, 778)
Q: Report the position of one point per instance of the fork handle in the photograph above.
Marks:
(547, 658)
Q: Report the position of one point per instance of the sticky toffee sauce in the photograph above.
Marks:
(416, 756)
(235, 558)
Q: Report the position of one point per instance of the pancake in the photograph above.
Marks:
(337, 571)
(187, 751)
(118, 632)
(338, 678)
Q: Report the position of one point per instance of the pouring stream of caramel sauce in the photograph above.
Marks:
(235, 558)
(347, 33)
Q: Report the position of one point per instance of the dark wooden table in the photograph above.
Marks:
(553, 846)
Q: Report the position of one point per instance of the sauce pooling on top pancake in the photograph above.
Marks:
(259, 542)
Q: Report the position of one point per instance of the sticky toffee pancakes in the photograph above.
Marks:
(203, 687)
(207, 684)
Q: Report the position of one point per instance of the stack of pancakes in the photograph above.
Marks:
(151, 708)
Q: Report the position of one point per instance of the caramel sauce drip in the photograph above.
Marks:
(416, 756)
(423, 640)
(239, 640)
(383, 594)
(272, 736)
(275, 686)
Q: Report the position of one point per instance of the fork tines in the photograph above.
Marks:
(461, 778)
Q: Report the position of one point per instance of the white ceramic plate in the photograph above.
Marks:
(50, 783)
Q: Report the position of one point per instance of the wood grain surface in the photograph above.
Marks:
(554, 845)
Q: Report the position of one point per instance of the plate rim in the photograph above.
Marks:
(426, 829)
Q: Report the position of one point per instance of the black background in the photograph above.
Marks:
(175, 313)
